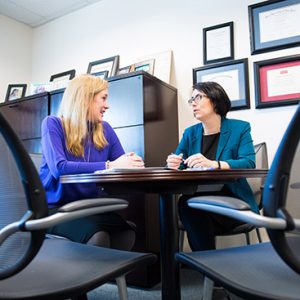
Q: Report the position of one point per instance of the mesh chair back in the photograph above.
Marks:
(282, 193)
(256, 184)
(21, 195)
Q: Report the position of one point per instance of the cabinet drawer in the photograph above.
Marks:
(125, 100)
(132, 139)
(26, 116)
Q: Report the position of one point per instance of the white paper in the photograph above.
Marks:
(283, 81)
(126, 170)
(279, 23)
(229, 80)
(199, 169)
(218, 43)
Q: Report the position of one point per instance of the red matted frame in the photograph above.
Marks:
(277, 82)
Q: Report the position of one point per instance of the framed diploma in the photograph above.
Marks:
(102, 74)
(146, 65)
(124, 70)
(232, 76)
(110, 64)
(61, 80)
(277, 81)
(274, 25)
(218, 43)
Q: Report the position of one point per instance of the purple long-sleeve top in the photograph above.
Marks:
(57, 161)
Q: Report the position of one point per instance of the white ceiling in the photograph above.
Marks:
(38, 12)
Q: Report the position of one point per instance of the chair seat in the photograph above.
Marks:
(273, 279)
(55, 261)
(243, 228)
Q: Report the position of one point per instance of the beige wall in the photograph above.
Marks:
(135, 28)
(15, 54)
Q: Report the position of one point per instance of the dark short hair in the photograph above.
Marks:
(217, 96)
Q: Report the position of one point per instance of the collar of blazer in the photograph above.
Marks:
(224, 136)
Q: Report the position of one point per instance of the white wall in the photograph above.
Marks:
(135, 28)
(15, 54)
(132, 29)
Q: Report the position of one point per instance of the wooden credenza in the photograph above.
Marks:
(143, 112)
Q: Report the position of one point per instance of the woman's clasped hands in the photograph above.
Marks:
(194, 161)
(128, 160)
(200, 161)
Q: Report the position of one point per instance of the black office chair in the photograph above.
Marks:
(123, 240)
(267, 270)
(32, 267)
(256, 185)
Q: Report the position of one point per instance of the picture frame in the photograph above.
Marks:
(146, 65)
(232, 76)
(277, 81)
(163, 64)
(61, 80)
(218, 43)
(15, 92)
(40, 87)
(110, 64)
(125, 70)
(102, 74)
(274, 25)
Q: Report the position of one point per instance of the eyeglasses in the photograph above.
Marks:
(196, 99)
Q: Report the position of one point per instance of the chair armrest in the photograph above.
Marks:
(222, 201)
(90, 203)
(236, 209)
(75, 210)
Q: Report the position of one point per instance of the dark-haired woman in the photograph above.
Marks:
(219, 143)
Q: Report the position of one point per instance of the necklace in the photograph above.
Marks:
(89, 151)
(88, 156)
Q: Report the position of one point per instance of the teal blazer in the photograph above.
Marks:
(235, 147)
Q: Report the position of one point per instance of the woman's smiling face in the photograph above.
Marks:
(99, 106)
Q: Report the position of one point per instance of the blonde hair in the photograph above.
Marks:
(75, 109)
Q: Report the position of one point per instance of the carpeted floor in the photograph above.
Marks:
(191, 289)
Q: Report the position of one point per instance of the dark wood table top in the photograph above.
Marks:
(163, 175)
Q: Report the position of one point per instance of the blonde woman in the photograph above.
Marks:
(80, 141)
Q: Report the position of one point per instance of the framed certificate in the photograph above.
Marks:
(110, 64)
(277, 81)
(232, 76)
(61, 80)
(218, 43)
(146, 65)
(124, 70)
(274, 25)
(102, 74)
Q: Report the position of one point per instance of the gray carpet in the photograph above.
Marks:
(191, 289)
